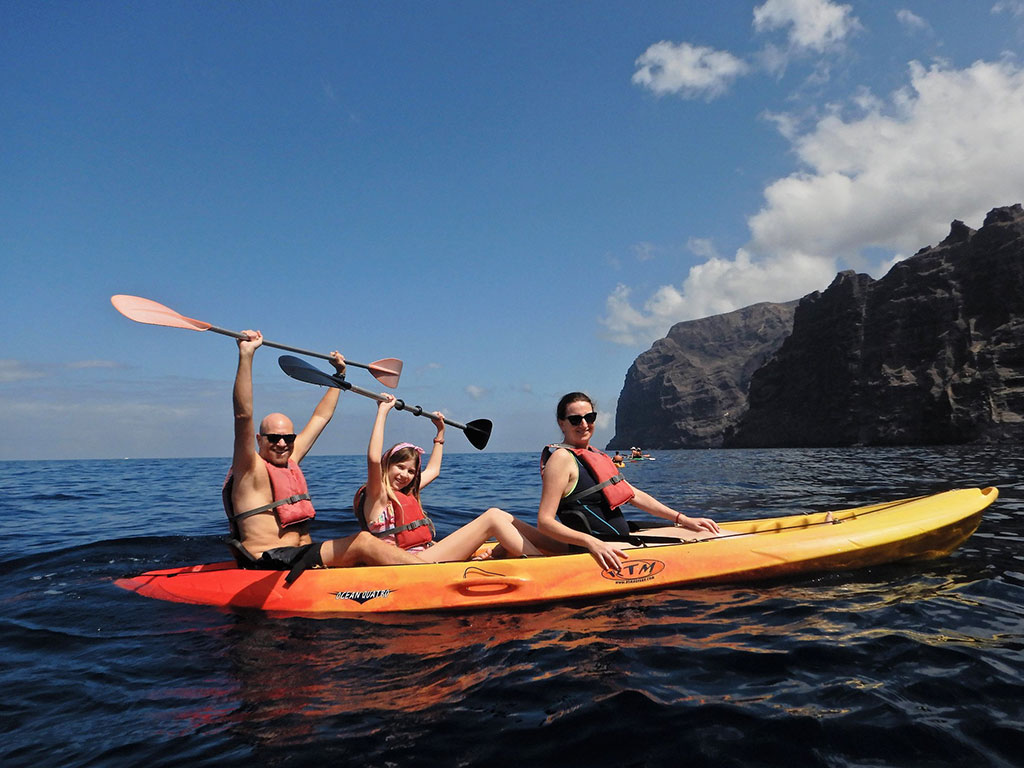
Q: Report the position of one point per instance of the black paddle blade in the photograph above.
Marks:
(303, 371)
(478, 432)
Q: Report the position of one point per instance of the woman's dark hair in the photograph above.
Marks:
(569, 399)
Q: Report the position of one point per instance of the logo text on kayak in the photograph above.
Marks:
(633, 571)
(362, 597)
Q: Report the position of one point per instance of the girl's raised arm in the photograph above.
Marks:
(374, 478)
(433, 468)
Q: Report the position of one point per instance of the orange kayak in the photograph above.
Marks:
(917, 528)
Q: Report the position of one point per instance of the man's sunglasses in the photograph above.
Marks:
(577, 419)
(274, 439)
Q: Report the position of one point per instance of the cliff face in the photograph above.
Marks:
(931, 353)
(690, 388)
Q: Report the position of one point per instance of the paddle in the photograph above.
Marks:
(142, 310)
(478, 432)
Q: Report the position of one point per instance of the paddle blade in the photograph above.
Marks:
(146, 311)
(303, 371)
(386, 371)
(478, 432)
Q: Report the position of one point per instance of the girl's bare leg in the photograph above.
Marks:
(363, 549)
(544, 544)
(514, 537)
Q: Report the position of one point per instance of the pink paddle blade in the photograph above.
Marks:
(386, 371)
(147, 311)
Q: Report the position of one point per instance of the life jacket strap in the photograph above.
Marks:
(407, 527)
(594, 488)
(273, 505)
(243, 557)
(361, 516)
(614, 480)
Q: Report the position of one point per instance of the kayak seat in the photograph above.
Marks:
(242, 555)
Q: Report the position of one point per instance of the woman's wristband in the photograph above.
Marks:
(678, 515)
(438, 441)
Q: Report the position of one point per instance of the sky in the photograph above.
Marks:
(515, 198)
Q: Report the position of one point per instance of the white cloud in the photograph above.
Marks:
(16, 370)
(1013, 7)
(19, 370)
(690, 71)
(477, 393)
(712, 288)
(694, 71)
(86, 364)
(813, 25)
(891, 177)
(644, 251)
(911, 20)
(702, 247)
(946, 146)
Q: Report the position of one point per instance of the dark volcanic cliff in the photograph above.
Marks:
(689, 388)
(931, 353)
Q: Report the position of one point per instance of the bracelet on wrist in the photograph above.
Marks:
(678, 515)
(438, 441)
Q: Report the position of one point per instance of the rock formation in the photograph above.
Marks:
(690, 388)
(931, 353)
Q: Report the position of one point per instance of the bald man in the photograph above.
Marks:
(265, 495)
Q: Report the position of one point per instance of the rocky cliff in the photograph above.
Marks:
(690, 388)
(931, 353)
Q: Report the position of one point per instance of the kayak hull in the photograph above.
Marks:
(906, 529)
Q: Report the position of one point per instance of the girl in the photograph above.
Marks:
(389, 505)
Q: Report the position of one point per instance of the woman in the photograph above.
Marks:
(389, 504)
(582, 491)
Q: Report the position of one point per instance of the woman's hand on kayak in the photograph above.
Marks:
(698, 524)
(607, 554)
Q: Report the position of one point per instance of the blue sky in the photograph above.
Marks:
(515, 198)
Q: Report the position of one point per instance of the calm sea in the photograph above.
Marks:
(901, 665)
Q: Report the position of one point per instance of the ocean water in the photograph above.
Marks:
(902, 665)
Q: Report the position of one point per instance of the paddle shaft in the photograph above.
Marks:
(285, 347)
(415, 410)
(143, 310)
(478, 431)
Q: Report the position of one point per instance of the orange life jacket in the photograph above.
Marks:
(412, 526)
(610, 482)
(291, 497)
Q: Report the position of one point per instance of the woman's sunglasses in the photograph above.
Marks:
(577, 419)
(274, 439)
